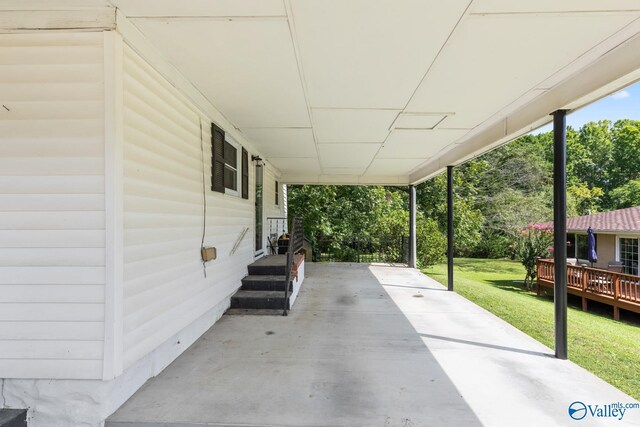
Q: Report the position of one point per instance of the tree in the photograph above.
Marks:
(626, 152)
(589, 156)
(627, 195)
(431, 198)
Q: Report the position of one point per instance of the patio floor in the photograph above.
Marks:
(368, 345)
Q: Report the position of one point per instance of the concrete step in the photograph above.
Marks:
(14, 417)
(254, 312)
(258, 300)
(273, 265)
(262, 270)
(264, 283)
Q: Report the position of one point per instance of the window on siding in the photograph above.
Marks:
(277, 193)
(230, 166)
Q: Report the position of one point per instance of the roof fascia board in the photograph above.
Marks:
(301, 179)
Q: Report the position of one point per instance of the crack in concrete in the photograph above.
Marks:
(3, 400)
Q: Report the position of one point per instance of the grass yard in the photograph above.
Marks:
(609, 349)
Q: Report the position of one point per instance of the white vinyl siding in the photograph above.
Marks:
(270, 207)
(164, 285)
(269, 200)
(52, 216)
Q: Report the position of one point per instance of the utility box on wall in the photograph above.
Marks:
(209, 254)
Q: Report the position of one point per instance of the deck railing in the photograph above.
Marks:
(617, 289)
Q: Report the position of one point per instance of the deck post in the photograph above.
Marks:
(560, 231)
(450, 228)
(616, 296)
(413, 247)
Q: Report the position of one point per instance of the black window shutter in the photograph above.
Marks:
(245, 174)
(217, 159)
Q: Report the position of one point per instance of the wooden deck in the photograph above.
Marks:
(622, 291)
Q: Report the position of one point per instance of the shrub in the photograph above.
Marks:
(534, 242)
(431, 242)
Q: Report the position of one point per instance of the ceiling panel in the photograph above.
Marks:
(418, 143)
(343, 171)
(418, 120)
(347, 155)
(392, 166)
(511, 6)
(364, 54)
(488, 62)
(282, 142)
(246, 67)
(183, 8)
(348, 125)
(296, 166)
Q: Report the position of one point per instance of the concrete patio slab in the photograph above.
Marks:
(368, 346)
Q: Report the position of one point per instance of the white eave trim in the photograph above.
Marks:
(294, 179)
(89, 19)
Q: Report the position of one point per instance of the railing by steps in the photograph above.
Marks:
(296, 239)
(617, 289)
(278, 225)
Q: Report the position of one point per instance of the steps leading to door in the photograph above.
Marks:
(258, 300)
(264, 283)
(262, 291)
(269, 265)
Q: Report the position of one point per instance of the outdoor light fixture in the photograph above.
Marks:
(257, 159)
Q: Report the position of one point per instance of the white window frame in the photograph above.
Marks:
(238, 147)
(627, 236)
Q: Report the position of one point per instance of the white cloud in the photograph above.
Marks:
(621, 95)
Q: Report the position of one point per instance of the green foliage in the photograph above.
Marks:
(627, 195)
(495, 195)
(582, 200)
(431, 242)
(626, 152)
(534, 242)
(431, 198)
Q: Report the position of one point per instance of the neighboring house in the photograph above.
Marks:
(130, 132)
(617, 235)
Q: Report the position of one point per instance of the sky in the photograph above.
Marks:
(624, 104)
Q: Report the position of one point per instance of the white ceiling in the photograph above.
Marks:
(382, 91)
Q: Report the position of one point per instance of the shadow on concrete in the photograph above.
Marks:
(486, 345)
(422, 288)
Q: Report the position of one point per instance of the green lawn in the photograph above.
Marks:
(609, 349)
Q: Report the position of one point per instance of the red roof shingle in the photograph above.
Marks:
(627, 219)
